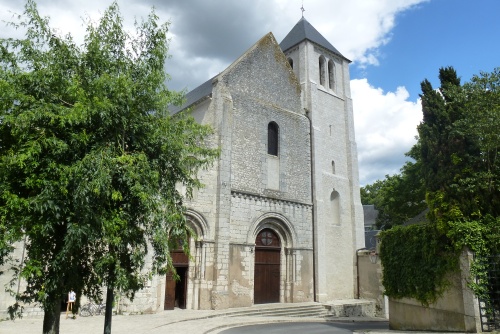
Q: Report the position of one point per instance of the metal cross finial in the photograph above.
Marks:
(302, 8)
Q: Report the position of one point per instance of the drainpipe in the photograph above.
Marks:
(313, 199)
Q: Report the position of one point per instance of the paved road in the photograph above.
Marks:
(172, 322)
(309, 327)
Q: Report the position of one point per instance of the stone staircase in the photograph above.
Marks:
(281, 310)
(334, 309)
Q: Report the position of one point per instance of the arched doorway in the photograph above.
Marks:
(185, 292)
(267, 267)
(176, 291)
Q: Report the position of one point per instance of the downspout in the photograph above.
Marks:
(313, 199)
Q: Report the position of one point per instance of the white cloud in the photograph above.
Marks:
(208, 36)
(66, 16)
(386, 127)
(220, 30)
(357, 28)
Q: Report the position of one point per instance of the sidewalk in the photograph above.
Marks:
(173, 322)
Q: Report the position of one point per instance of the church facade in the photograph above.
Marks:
(279, 219)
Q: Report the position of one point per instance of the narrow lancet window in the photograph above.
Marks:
(331, 75)
(322, 71)
(272, 138)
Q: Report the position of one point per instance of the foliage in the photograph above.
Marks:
(370, 192)
(457, 154)
(416, 261)
(90, 157)
(463, 182)
(398, 197)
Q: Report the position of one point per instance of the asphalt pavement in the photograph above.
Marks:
(327, 327)
(177, 321)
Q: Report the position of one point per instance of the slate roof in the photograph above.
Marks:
(196, 95)
(370, 214)
(421, 218)
(304, 30)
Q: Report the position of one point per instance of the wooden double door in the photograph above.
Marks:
(176, 291)
(267, 268)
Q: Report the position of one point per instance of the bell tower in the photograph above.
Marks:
(323, 73)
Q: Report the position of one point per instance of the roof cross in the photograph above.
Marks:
(302, 8)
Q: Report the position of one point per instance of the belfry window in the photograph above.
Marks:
(290, 61)
(272, 138)
(322, 71)
(331, 75)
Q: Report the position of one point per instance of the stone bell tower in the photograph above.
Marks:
(338, 231)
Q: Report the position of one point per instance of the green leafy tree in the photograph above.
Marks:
(457, 157)
(370, 192)
(459, 145)
(398, 197)
(90, 158)
(447, 149)
(480, 179)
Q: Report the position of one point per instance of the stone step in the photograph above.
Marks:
(351, 308)
(333, 309)
(282, 310)
(305, 312)
(297, 313)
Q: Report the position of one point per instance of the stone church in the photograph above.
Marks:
(279, 219)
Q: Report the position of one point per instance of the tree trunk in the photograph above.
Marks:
(52, 317)
(109, 309)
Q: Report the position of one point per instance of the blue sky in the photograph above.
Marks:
(464, 34)
(460, 33)
(394, 45)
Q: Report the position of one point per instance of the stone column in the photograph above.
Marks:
(289, 275)
(223, 104)
(197, 275)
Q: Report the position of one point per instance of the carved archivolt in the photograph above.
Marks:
(199, 224)
(276, 222)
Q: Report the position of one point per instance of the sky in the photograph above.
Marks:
(393, 46)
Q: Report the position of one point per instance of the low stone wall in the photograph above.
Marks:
(350, 308)
(456, 311)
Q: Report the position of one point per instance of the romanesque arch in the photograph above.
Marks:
(267, 267)
(276, 222)
(334, 209)
(184, 292)
(198, 224)
(274, 237)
